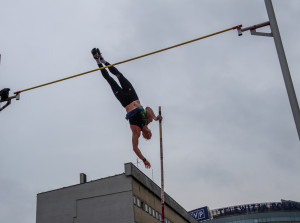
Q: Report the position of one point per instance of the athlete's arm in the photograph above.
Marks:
(136, 133)
(151, 115)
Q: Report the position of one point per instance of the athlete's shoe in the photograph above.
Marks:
(4, 93)
(97, 54)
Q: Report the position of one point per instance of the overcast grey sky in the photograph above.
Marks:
(228, 130)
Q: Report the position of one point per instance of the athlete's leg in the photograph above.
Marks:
(126, 93)
(113, 84)
(125, 84)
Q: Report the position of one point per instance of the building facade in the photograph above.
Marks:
(130, 197)
(275, 212)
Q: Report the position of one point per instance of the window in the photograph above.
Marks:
(138, 202)
(153, 212)
(156, 215)
(146, 207)
(134, 199)
(150, 210)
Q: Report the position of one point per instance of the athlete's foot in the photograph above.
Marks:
(97, 55)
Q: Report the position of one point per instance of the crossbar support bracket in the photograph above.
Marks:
(253, 30)
(255, 33)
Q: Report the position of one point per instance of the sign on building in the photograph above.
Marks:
(200, 214)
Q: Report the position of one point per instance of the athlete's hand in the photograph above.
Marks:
(147, 164)
(159, 117)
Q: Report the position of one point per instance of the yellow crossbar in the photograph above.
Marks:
(148, 54)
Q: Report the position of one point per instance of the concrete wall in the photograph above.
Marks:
(150, 199)
(173, 210)
(146, 196)
(111, 208)
(104, 200)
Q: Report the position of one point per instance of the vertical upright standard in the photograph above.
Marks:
(281, 56)
(162, 171)
(284, 65)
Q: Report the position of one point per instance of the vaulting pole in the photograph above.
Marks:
(162, 171)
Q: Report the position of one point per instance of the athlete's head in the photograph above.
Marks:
(147, 134)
